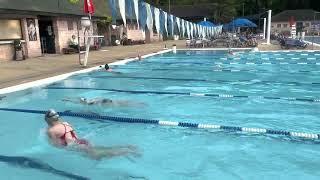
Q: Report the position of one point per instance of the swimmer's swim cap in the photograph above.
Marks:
(51, 114)
(107, 101)
(106, 66)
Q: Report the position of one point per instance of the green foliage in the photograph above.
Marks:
(225, 10)
(103, 24)
(73, 1)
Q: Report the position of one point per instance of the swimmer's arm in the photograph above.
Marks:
(129, 103)
(52, 139)
(115, 72)
(68, 100)
(91, 101)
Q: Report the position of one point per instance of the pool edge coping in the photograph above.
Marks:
(49, 80)
(225, 49)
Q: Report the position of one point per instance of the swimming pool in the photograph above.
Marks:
(157, 88)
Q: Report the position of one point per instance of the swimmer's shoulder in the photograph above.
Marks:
(116, 72)
(65, 123)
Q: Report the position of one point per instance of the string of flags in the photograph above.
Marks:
(148, 16)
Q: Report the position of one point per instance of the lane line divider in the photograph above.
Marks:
(217, 70)
(103, 118)
(311, 100)
(207, 80)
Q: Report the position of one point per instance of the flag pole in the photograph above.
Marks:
(89, 8)
(87, 43)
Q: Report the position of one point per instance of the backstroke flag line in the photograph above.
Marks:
(148, 16)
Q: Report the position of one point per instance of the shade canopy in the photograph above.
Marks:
(206, 23)
(240, 22)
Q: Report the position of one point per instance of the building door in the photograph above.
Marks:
(299, 26)
(47, 37)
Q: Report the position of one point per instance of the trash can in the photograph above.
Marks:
(18, 50)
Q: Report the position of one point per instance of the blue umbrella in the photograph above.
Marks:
(206, 23)
(242, 23)
(238, 23)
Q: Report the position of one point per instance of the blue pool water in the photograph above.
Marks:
(172, 152)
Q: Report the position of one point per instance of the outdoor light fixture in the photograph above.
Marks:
(85, 22)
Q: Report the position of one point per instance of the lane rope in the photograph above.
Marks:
(174, 123)
(233, 63)
(214, 70)
(207, 80)
(226, 96)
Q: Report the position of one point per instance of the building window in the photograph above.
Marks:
(307, 24)
(285, 25)
(278, 25)
(70, 24)
(10, 29)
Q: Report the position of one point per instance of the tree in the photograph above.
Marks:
(226, 9)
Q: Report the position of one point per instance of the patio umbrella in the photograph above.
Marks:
(206, 23)
(240, 22)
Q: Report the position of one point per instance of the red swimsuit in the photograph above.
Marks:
(73, 135)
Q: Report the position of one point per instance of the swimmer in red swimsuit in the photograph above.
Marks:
(61, 134)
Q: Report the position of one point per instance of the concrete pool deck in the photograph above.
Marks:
(18, 72)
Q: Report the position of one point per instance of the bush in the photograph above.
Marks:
(73, 1)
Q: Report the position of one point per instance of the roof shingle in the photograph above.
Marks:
(299, 15)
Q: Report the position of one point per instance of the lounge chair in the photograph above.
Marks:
(188, 43)
(199, 43)
(287, 43)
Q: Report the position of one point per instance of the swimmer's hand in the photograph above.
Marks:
(67, 100)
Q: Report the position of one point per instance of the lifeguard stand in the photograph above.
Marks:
(86, 23)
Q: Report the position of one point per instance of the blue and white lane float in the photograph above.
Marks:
(235, 63)
(207, 80)
(211, 70)
(174, 123)
(267, 63)
(227, 96)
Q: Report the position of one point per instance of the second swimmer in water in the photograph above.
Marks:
(104, 102)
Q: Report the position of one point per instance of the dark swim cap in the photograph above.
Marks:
(51, 114)
(106, 67)
(106, 101)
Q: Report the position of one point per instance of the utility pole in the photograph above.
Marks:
(169, 7)
(243, 9)
(269, 27)
(264, 27)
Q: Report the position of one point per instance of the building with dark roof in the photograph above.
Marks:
(43, 26)
(303, 19)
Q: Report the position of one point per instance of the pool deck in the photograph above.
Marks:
(275, 47)
(18, 72)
